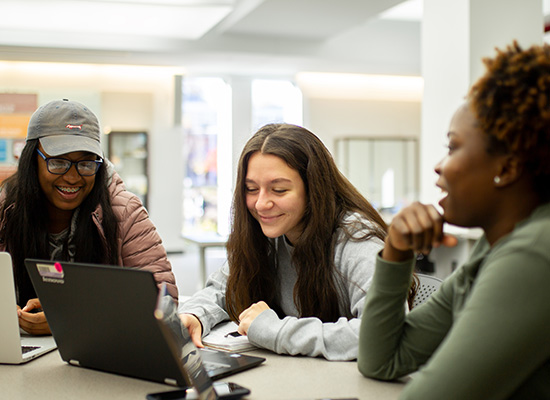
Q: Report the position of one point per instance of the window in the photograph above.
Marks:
(206, 119)
(207, 126)
(384, 170)
(275, 101)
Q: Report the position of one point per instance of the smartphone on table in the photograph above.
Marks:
(224, 390)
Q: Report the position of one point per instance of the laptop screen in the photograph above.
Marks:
(104, 317)
(177, 335)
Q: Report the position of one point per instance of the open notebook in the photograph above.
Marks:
(224, 336)
(16, 346)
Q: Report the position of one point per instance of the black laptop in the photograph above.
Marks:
(102, 317)
(192, 365)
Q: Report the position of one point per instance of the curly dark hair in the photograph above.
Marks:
(512, 105)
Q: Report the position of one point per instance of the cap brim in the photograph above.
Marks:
(63, 144)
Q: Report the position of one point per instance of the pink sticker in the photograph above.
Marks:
(51, 272)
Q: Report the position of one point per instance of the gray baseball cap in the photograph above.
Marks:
(64, 126)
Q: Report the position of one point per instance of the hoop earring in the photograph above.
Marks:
(497, 179)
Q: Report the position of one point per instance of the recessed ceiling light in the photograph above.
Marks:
(361, 86)
(410, 10)
(166, 18)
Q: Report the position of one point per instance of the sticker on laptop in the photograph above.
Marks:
(51, 272)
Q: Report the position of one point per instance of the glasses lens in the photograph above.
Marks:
(87, 168)
(58, 165)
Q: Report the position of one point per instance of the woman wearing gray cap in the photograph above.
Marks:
(66, 202)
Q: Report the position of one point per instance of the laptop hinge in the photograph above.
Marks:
(74, 362)
(170, 381)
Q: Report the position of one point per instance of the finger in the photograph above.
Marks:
(417, 233)
(399, 234)
(32, 304)
(33, 317)
(437, 225)
(196, 338)
(427, 226)
(415, 220)
(243, 327)
(245, 319)
(243, 314)
(35, 324)
(194, 327)
(242, 331)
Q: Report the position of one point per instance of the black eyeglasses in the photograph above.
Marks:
(60, 166)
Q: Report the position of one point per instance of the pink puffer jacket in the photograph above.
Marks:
(139, 244)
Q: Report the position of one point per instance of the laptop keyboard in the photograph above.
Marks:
(26, 349)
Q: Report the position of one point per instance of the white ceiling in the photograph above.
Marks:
(234, 36)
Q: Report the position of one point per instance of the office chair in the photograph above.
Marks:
(427, 285)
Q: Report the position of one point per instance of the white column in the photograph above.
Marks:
(456, 35)
(242, 118)
(231, 147)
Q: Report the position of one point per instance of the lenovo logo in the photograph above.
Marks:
(74, 126)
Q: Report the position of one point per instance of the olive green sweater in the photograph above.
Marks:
(485, 334)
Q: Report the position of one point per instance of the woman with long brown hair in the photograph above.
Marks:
(300, 253)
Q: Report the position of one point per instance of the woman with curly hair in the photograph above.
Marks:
(300, 253)
(67, 203)
(485, 333)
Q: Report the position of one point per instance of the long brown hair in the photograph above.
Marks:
(330, 196)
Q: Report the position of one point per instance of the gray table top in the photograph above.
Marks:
(280, 377)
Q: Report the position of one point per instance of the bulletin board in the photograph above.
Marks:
(16, 110)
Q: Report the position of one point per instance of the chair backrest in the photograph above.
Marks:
(427, 285)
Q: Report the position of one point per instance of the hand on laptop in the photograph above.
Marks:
(249, 315)
(194, 326)
(32, 319)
